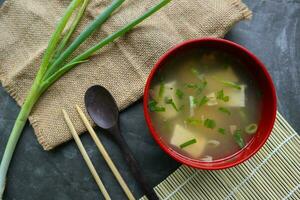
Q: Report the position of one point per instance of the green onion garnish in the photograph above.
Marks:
(161, 90)
(188, 143)
(179, 94)
(193, 121)
(191, 85)
(231, 84)
(154, 108)
(198, 86)
(197, 73)
(251, 128)
(171, 102)
(224, 110)
(209, 123)
(220, 95)
(238, 138)
(222, 130)
(203, 101)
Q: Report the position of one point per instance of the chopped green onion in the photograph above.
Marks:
(224, 110)
(209, 123)
(179, 94)
(226, 98)
(154, 108)
(251, 128)
(188, 143)
(197, 73)
(192, 105)
(195, 101)
(231, 84)
(198, 86)
(171, 102)
(161, 90)
(193, 121)
(222, 131)
(203, 101)
(220, 95)
(238, 138)
(191, 85)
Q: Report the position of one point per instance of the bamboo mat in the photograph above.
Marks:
(273, 173)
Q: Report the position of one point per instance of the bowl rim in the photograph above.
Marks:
(177, 156)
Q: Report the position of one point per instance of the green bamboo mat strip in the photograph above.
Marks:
(273, 173)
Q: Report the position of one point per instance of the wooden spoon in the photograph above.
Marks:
(103, 109)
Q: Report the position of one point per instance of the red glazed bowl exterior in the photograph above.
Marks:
(258, 72)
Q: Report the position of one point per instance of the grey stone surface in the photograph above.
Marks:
(273, 35)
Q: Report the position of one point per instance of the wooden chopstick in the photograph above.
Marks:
(105, 154)
(85, 156)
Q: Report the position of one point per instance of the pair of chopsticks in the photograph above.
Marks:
(102, 151)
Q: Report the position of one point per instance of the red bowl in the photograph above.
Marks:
(260, 74)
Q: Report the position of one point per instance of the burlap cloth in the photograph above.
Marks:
(122, 67)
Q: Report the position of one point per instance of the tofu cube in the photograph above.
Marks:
(182, 135)
(236, 97)
(170, 92)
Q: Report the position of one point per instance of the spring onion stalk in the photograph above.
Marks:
(91, 28)
(72, 28)
(50, 51)
(53, 64)
(104, 42)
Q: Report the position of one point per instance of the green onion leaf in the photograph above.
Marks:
(237, 136)
(251, 128)
(179, 94)
(161, 90)
(222, 131)
(91, 28)
(198, 86)
(197, 73)
(188, 143)
(231, 84)
(224, 110)
(203, 101)
(209, 123)
(191, 85)
(154, 108)
(193, 121)
(110, 38)
(171, 102)
(220, 95)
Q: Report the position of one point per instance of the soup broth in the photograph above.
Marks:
(204, 105)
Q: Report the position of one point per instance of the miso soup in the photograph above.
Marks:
(205, 105)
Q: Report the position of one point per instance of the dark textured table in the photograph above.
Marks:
(273, 35)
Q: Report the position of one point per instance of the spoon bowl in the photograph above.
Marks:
(101, 106)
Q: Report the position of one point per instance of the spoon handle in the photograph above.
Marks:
(134, 167)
